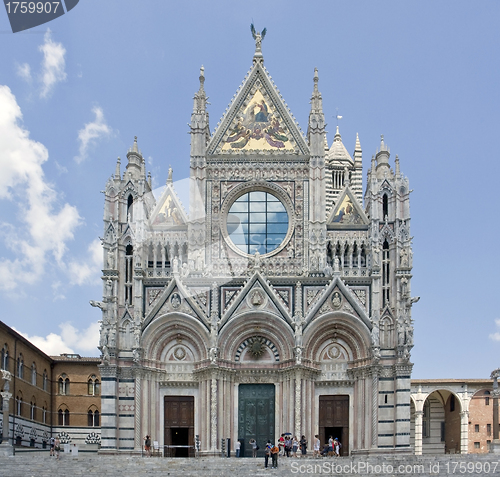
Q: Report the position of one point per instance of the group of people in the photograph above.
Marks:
(331, 448)
(55, 447)
(288, 446)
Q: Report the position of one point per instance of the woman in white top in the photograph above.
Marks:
(317, 445)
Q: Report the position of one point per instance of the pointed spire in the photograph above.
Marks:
(358, 153)
(337, 137)
(150, 182)
(357, 147)
(316, 100)
(143, 169)
(117, 170)
(169, 178)
(135, 159)
(398, 172)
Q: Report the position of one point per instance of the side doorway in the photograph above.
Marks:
(334, 420)
(179, 425)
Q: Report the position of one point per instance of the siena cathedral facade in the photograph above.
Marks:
(279, 303)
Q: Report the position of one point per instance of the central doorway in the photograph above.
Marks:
(256, 416)
(179, 426)
(334, 420)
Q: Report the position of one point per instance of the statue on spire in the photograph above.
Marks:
(258, 37)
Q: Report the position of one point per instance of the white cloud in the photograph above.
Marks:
(53, 64)
(43, 227)
(92, 132)
(24, 72)
(88, 270)
(70, 340)
(496, 336)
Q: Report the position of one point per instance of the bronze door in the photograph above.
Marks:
(256, 416)
(334, 420)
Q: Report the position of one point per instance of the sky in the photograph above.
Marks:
(75, 91)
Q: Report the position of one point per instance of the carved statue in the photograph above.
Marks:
(109, 287)
(298, 322)
(258, 37)
(98, 304)
(256, 261)
(176, 265)
(135, 355)
(105, 354)
(404, 258)
(110, 260)
(298, 355)
(184, 270)
(112, 338)
(212, 354)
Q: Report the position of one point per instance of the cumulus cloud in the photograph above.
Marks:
(24, 72)
(87, 271)
(70, 340)
(496, 336)
(91, 133)
(43, 227)
(53, 64)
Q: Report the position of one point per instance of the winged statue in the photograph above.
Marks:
(258, 37)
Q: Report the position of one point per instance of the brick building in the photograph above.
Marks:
(51, 395)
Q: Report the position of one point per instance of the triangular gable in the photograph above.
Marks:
(169, 211)
(175, 299)
(347, 213)
(258, 120)
(337, 297)
(256, 295)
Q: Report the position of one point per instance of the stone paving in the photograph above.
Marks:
(39, 464)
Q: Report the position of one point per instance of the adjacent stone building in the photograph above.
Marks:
(277, 303)
(44, 396)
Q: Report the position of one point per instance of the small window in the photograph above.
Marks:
(488, 445)
(63, 417)
(19, 405)
(5, 357)
(93, 386)
(488, 429)
(487, 401)
(45, 380)
(33, 411)
(93, 418)
(20, 366)
(477, 445)
(476, 428)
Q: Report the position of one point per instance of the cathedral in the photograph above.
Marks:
(277, 300)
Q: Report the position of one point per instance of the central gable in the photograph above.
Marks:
(258, 120)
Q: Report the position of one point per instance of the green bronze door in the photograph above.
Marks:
(255, 416)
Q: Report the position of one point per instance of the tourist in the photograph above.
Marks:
(52, 445)
(281, 444)
(255, 447)
(295, 445)
(237, 448)
(147, 445)
(303, 445)
(57, 447)
(288, 445)
(274, 454)
(267, 453)
(336, 447)
(317, 445)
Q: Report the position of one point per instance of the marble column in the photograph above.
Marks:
(418, 432)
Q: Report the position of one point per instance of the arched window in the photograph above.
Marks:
(130, 208)
(93, 385)
(20, 366)
(19, 404)
(386, 333)
(385, 274)
(33, 374)
(385, 206)
(63, 384)
(486, 398)
(129, 252)
(45, 380)
(63, 417)
(93, 418)
(33, 409)
(5, 357)
(44, 413)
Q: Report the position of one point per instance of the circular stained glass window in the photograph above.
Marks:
(257, 222)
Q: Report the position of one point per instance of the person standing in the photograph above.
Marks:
(295, 445)
(52, 445)
(303, 446)
(147, 445)
(317, 445)
(255, 447)
(237, 448)
(267, 453)
(274, 454)
(57, 447)
(281, 444)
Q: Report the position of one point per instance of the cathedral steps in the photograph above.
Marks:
(42, 465)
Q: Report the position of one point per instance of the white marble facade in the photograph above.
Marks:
(277, 274)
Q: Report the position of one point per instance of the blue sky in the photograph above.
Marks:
(74, 92)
